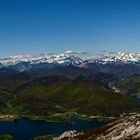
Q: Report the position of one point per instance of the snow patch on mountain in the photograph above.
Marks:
(42, 58)
(125, 57)
(68, 58)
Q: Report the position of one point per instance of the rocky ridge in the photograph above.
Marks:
(126, 128)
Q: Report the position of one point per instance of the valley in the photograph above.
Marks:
(55, 92)
(69, 69)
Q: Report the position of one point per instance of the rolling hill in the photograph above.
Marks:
(57, 94)
(130, 86)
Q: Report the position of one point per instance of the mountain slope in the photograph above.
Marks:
(130, 86)
(56, 94)
(126, 128)
(27, 62)
(30, 62)
(66, 71)
(113, 57)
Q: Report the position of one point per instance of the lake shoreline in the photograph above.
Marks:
(62, 117)
(7, 117)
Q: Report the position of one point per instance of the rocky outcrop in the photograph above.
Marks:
(126, 128)
(70, 134)
(8, 117)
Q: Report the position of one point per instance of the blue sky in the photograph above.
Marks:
(54, 26)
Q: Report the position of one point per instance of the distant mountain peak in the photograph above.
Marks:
(125, 57)
(42, 58)
(69, 58)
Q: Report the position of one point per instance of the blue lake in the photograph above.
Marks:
(26, 129)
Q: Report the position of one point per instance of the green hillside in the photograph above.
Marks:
(23, 94)
(130, 86)
(56, 94)
(6, 137)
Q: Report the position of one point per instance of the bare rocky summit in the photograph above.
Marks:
(126, 128)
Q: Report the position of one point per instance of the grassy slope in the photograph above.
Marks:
(8, 85)
(6, 137)
(131, 85)
(64, 95)
(19, 94)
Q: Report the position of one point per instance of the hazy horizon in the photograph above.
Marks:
(70, 53)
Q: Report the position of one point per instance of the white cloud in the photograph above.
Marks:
(70, 52)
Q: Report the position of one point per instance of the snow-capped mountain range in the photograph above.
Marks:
(124, 57)
(74, 59)
(42, 58)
